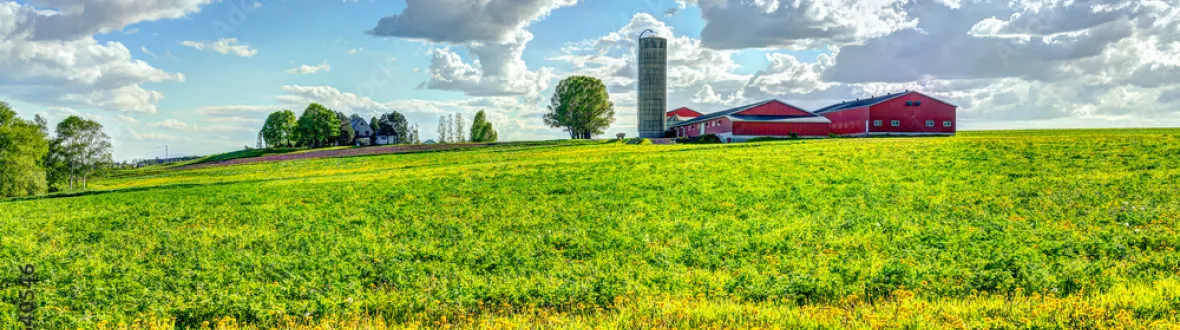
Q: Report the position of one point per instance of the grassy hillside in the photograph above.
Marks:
(1043, 229)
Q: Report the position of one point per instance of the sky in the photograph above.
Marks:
(198, 77)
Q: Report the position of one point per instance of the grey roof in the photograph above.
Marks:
(845, 105)
(358, 124)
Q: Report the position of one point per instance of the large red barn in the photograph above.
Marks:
(905, 113)
(772, 118)
(680, 115)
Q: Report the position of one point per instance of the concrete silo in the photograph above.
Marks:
(653, 88)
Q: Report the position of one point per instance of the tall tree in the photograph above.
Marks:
(444, 128)
(23, 147)
(317, 126)
(581, 106)
(346, 132)
(85, 149)
(460, 135)
(414, 135)
(279, 129)
(395, 125)
(481, 129)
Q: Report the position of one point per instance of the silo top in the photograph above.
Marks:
(652, 42)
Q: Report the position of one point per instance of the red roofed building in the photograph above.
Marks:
(680, 115)
(905, 113)
(772, 118)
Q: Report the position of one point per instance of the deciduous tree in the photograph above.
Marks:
(23, 147)
(481, 129)
(581, 106)
(317, 126)
(279, 129)
(84, 147)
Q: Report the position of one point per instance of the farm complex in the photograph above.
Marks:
(904, 113)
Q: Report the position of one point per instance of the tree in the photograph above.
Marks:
(84, 147)
(394, 124)
(317, 126)
(481, 129)
(444, 128)
(279, 129)
(346, 132)
(414, 135)
(581, 106)
(23, 147)
(459, 136)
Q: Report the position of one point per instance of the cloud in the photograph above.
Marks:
(146, 51)
(78, 19)
(354, 51)
(497, 70)
(73, 70)
(307, 69)
(236, 110)
(799, 24)
(172, 124)
(223, 46)
(461, 21)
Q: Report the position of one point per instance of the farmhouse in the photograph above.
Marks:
(364, 133)
(905, 113)
(766, 118)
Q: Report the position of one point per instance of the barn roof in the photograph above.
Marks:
(731, 112)
(845, 105)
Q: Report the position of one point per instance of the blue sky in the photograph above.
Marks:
(200, 75)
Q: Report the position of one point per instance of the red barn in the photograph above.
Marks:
(772, 118)
(905, 113)
(680, 115)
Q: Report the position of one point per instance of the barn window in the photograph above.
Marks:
(929, 123)
(946, 123)
(909, 103)
(917, 103)
(895, 123)
(877, 123)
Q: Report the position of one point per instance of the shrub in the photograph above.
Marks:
(794, 135)
(832, 135)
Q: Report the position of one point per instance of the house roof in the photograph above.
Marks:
(683, 112)
(845, 105)
(732, 113)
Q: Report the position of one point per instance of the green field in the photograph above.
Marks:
(1021, 229)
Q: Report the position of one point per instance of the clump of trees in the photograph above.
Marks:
(453, 129)
(319, 127)
(31, 162)
(581, 106)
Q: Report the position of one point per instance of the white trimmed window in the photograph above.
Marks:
(877, 123)
(895, 123)
(929, 123)
(946, 123)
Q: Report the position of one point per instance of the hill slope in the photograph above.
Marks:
(1070, 229)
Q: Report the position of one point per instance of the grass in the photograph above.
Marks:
(1042, 229)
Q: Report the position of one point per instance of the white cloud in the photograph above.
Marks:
(497, 70)
(354, 51)
(146, 51)
(223, 46)
(799, 24)
(79, 19)
(172, 124)
(236, 110)
(462, 21)
(308, 69)
(53, 66)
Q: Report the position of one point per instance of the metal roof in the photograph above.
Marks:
(845, 105)
(724, 113)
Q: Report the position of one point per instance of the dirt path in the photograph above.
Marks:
(334, 153)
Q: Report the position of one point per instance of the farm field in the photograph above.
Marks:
(1009, 230)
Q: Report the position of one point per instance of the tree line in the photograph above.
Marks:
(320, 127)
(452, 129)
(33, 162)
